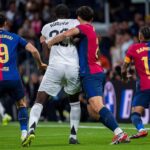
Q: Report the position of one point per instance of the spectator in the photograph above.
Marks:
(127, 41)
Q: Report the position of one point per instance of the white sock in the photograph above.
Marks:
(35, 114)
(118, 131)
(75, 114)
(142, 130)
(23, 133)
(2, 110)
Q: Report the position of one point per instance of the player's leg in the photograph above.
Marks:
(2, 110)
(17, 92)
(137, 122)
(72, 88)
(5, 117)
(75, 114)
(36, 110)
(107, 118)
(22, 117)
(93, 87)
(50, 85)
(139, 103)
(34, 117)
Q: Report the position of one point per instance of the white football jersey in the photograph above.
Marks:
(61, 53)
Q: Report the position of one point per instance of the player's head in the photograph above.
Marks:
(144, 33)
(85, 13)
(2, 20)
(61, 11)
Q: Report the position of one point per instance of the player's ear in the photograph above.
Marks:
(79, 19)
(141, 37)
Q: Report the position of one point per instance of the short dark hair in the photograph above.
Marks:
(61, 11)
(145, 30)
(85, 12)
(2, 19)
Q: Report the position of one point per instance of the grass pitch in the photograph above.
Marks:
(54, 136)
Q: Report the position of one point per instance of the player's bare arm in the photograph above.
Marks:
(45, 48)
(29, 47)
(63, 36)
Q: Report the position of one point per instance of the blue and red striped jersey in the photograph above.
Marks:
(88, 48)
(9, 43)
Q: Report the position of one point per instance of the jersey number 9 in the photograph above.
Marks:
(4, 57)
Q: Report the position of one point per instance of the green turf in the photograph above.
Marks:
(54, 136)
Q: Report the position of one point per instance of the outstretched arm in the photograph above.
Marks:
(62, 36)
(46, 50)
(29, 47)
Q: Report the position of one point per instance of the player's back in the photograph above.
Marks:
(8, 59)
(141, 55)
(64, 52)
(88, 50)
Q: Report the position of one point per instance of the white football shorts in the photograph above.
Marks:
(58, 76)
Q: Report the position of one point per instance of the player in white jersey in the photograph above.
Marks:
(62, 72)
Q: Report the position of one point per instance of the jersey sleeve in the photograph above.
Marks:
(43, 31)
(22, 41)
(81, 28)
(129, 54)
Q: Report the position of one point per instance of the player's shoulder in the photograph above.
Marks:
(73, 21)
(14, 35)
(136, 45)
(46, 25)
(85, 28)
(50, 24)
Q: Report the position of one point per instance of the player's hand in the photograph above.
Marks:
(42, 39)
(49, 45)
(42, 66)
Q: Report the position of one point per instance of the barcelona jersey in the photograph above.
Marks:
(140, 53)
(88, 48)
(9, 43)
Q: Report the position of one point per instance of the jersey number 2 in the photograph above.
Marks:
(4, 57)
(56, 32)
(147, 69)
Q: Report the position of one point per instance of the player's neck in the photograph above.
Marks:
(84, 22)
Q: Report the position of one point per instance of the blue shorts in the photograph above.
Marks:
(12, 87)
(141, 98)
(93, 84)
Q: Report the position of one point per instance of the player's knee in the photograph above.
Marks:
(96, 103)
(138, 109)
(92, 113)
(41, 97)
(21, 103)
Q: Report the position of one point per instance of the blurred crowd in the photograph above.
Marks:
(27, 17)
